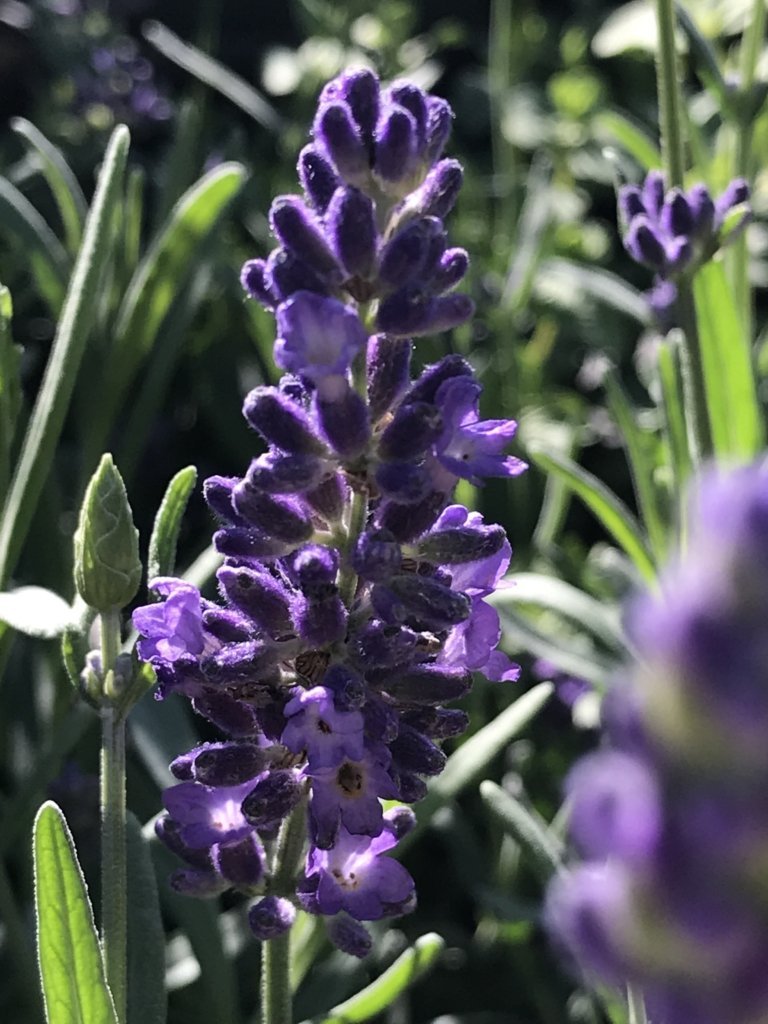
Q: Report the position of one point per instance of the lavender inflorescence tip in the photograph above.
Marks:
(671, 817)
(352, 595)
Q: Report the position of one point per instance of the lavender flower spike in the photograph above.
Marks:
(672, 818)
(328, 660)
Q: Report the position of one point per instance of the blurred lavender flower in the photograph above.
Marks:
(674, 232)
(352, 592)
(672, 818)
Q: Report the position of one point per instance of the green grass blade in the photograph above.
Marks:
(68, 347)
(603, 503)
(164, 272)
(611, 126)
(36, 611)
(411, 965)
(602, 285)
(10, 388)
(147, 997)
(545, 850)
(729, 378)
(643, 453)
(71, 969)
(209, 71)
(165, 532)
(553, 594)
(674, 419)
(61, 179)
(47, 257)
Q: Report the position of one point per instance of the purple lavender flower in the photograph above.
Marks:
(352, 595)
(673, 818)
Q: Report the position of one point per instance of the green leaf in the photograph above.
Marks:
(608, 509)
(61, 181)
(165, 532)
(674, 419)
(209, 71)
(147, 997)
(36, 611)
(526, 828)
(558, 596)
(729, 380)
(611, 126)
(165, 271)
(642, 454)
(467, 764)
(411, 965)
(44, 253)
(602, 285)
(71, 969)
(77, 317)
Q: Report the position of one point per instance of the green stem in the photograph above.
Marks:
(114, 872)
(276, 998)
(673, 152)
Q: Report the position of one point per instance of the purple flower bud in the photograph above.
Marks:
(227, 764)
(388, 369)
(317, 177)
(288, 274)
(360, 89)
(296, 227)
(453, 267)
(228, 624)
(413, 752)
(336, 131)
(630, 203)
(379, 645)
(241, 662)
(426, 684)
(400, 821)
(349, 936)
(425, 600)
(278, 473)
(382, 723)
(653, 193)
(432, 377)
(410, 787)
(702, 210)
(407, 522)
(438, 723)
(344, 422)
(281, 422)
(271, 917)
(461, 544)
(644, 245)
(322, 620)
(676, 217)
(439, 118)
(614, 807)
(272, 798)
(413, 430)
(262, 597)
(377, 555)
(169, 833)
(254, 281)
(405, 482)
(395, 145)
(318, 337)
(351, 226)
(438, 194)
(241, 863)
(283, 518)
(405, 254)
(217, 491)
(198, 882)
(228, 714)
(410, 96)
(315, 567)
(241, 543)
(327, 499)
(407, 311)
(678, 253)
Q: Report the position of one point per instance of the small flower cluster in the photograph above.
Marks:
(352, 591)
(673, 232)
(673, 816)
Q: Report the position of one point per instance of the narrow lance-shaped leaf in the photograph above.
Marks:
(544, 848)
(68, 348)
(147, 997)
(61, 181)
(411, 965)
(44, 253)
(71, 968)
(610, 510)
(10, 388)
(165, 532)
(36, 612)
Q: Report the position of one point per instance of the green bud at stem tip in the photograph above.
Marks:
(107, 566)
